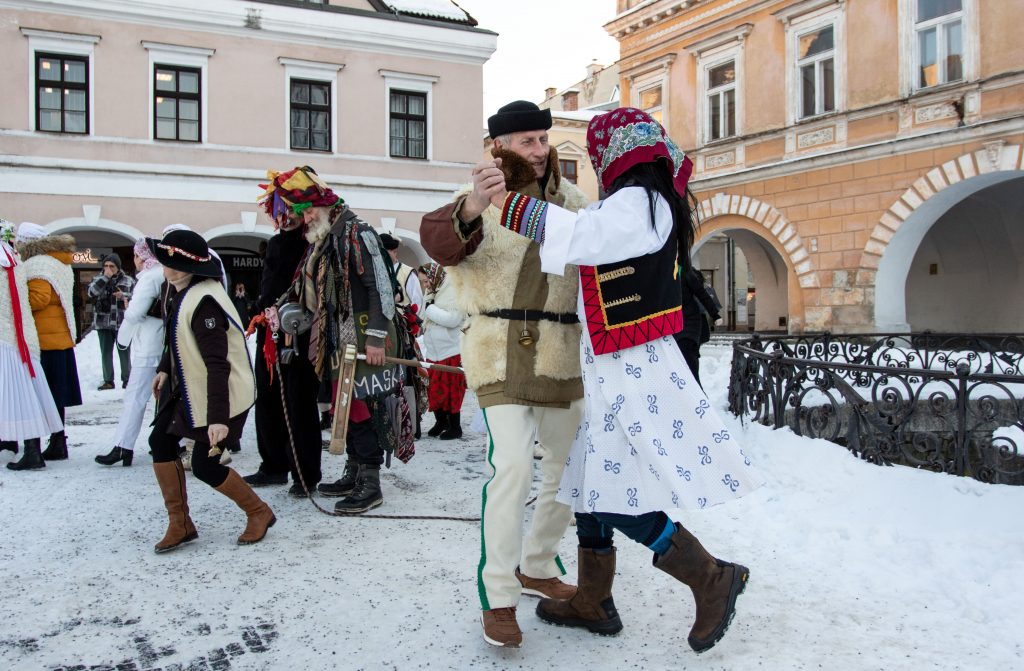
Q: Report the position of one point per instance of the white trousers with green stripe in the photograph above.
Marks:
(511, 430)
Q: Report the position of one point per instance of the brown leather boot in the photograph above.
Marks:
(259, 515)
(715, 585)
(171, 477)
(592, 608)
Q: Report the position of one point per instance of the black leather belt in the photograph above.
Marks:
(534, 316)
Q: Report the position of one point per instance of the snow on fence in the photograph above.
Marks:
(952, 403)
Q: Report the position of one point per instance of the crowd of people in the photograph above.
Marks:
(577, 326)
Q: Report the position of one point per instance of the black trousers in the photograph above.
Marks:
(300, 388)
(362, 446)
(271, 430)
(165, 448)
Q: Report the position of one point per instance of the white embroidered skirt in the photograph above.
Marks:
(27, 409)
(649, 439)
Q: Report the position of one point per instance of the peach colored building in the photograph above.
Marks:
(121, 117)
(864, 157)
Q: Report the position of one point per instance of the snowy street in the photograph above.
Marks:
(852, 567)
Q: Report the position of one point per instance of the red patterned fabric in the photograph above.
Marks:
(446, 390)
(612, 338)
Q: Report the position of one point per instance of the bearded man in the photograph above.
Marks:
(521, 357)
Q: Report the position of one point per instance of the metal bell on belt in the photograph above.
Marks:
(526, 338)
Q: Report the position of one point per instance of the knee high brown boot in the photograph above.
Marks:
(259, 516)
(592, 608)
(715, 585)
(171, 477)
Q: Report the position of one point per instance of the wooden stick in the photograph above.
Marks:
(412, 363)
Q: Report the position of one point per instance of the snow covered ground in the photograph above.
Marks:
(852, 567)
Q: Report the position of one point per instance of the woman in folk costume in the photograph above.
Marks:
(143, 330)
(650, 440)
(51, 286)
(205, 385)
(27, 411)
(442, 324)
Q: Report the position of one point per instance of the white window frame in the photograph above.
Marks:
(327, 73)
(72, 44)
(807, 17)
(819, 74)
(910, 53)
(189, 57)
(708, 92)
(711, 53)
(655, 74)
(416, 83)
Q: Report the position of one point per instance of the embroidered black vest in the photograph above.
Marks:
(633, 301)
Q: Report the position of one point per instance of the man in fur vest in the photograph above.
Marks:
(521, 356)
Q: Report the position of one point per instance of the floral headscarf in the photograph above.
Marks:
(626, 137)
(143, 252)
(435, 276)
(295, 191)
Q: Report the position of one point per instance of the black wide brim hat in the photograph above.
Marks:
(187, 252)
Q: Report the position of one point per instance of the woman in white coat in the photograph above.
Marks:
(143, 330)
(442, 321)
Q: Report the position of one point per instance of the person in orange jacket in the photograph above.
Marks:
(51, 284)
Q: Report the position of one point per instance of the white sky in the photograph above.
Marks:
(541, 43)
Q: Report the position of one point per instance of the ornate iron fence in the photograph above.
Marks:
(951, 403)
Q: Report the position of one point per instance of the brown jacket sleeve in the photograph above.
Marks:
(446, 238)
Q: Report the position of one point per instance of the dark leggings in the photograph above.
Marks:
(165, 449)
(595, 530)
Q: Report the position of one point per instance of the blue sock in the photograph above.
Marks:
(663, 543)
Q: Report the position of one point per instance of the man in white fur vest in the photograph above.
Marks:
(521, 356)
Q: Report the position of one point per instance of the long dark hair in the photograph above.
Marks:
(656, 179)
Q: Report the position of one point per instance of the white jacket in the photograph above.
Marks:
(442, 323)
(145, 334)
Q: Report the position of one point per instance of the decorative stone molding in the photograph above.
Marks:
(814, 138)
(776, 227)
(929, 113)
(996, 156)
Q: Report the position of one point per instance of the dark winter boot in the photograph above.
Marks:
(170, 475)
(115, 455)
(440, 423)
(11, 445)
(57, 449)
(366, 494)
(31, 459)
(325, 420)
(345, 485)
(454, 429)
(715, 585)
(592, 608)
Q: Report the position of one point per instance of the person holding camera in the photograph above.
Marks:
(110, 291)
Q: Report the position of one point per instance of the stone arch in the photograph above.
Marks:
(256, 230)
(895, 238)
(72, 224)
(771, 225)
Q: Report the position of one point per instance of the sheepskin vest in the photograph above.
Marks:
(7, 332)
(504, 272)
(61, 278)
(188, 360)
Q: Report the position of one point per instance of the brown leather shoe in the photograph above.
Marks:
(501, 628)
(259, 516)
(547, 588)
(171, 477)
(715, 585)
(592, 607)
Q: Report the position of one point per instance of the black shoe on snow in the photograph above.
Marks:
(57, 449)
(366, 496)
(261, 479)
(454, 429)
(31, 459)
(345, 485)
(440, 423)
(115, 455)
(11, 445)
(298, 491)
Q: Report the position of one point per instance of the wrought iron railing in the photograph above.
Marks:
(951, 403)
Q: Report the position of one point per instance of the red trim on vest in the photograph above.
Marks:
(606, 340)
